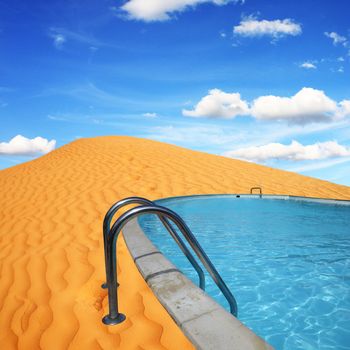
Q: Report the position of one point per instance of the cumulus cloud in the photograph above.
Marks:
(307, 105)
(308, 65)
(336, 38)
(294, 151)
(252, 27)
(219, 104)
(21, 145)
(160, 10)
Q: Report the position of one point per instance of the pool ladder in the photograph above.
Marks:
(256, 188)
(166, 216)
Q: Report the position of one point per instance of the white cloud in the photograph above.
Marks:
(343, 110)
(160, 10)
(21, 145)
(58, 40)
(194, 135)
(318, 165)
(150, 115)
(251, 27)
(295, 151)
(61, 35)
(219, 104)
(308, 65)
(337, 39)
(57, 118)
(210, 135)
(307, 105)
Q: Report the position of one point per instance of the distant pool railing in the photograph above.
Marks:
(256, 188)
(110, 237)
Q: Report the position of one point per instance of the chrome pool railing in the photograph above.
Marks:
(139, 200)
(114, 316)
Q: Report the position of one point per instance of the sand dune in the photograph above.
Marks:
(51, 252)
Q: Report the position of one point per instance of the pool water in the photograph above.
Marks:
(286, 262)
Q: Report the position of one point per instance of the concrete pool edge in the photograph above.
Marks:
(206, 323)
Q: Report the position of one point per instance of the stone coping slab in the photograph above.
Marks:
(206, 323)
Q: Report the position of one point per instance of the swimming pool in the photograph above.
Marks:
(286, 261)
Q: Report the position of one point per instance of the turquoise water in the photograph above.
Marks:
(287, 263)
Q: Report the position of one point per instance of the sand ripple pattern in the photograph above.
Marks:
(51, 251)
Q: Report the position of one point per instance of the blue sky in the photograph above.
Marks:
(267, 81)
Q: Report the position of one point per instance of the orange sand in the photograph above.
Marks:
(51, 251)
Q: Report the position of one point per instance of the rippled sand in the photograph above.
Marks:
(51, 251)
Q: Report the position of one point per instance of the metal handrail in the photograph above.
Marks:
(114, 316)
(139, 200)
(256, 188)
